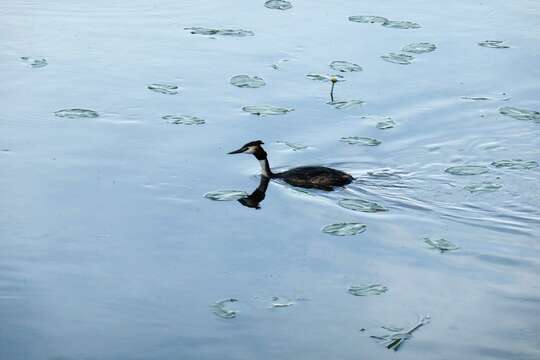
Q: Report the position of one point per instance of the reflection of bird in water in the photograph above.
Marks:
(318, 177)
(256, 197)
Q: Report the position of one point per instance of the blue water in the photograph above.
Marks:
(108, 249)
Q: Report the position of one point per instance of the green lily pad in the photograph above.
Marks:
(183, 119)
(219, 308)
(516, 164)
(35, 63)
(494, 44)
(278, 4)
(225, 195)
(386, 124)
(345, 104)
(345, 66)
(365, 290)
(367, 19)
(419, 47)
(361, 205)
(222, 32)
(356, 140)
(485, 186)
(467, 170)
(293, 146)
(398, 58)
(344, 229)
(401, 24)
(440, 244)
(263, 110)
(76, 113)
(520, 114)
(164, 89)
(246, 81)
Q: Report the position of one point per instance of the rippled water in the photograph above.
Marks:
(109, 249)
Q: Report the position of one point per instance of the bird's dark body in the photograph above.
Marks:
(315, 177)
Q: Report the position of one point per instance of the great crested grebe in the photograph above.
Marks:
(318, 177)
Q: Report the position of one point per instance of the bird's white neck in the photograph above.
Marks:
(265, 168)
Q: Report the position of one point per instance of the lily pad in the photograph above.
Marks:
(396, 337)
(398, 58)
(494, 44)
(467, 170)
(440, 244)
(278, 4)
(419, 47)
(345, 104)
(367, 19)
(485, 186)
(246, 81)
(281, 302)
(263, 110)
(345, 66)
(325, 78)
(498, 97)
(219, 308)
(361, 205)
(183, 119)
(35, 63)
(76, 113)
(365, 290)
(222, 32)
(520, 114)
(401, 24)
(516, 164)
(386, 124)
(164, 89)
(356, 140)
(344, 229)
(225, 195)
(293, 146)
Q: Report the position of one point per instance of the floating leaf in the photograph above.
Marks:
(402, 59)
(375, 289)
(516, 164)
(324, 78)
(263, 110)
(225, 195)
(499, 97)
(76, 113)
(485, 186)
(345, 104)
(344, 66)
(35, 63)
(293, 146)
(223, 32)
(164, 89)
(401, 24)
(219, 308)
(494, 44)
(344, 229)
(356, 140)
(394, 340)
(183, 119)
(361, 205)
(520, 114)
(365, 19)
(278, 4)
(281, 302)
(386, 124)
(467, 170)
(440, 244)
(246, 81)
(419, 48)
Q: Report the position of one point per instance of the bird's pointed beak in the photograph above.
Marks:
(239, 151)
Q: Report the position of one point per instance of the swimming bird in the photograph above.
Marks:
(318, 177)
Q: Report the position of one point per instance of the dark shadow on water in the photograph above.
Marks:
(257, 196)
